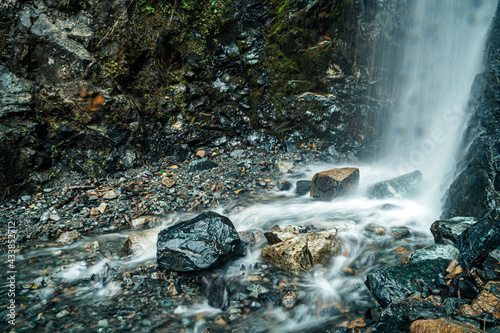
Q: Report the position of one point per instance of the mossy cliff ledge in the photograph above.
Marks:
(101, 86)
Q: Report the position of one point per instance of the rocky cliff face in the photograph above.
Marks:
(99, 86)
(475, 191)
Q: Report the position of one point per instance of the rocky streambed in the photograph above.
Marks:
(258, 253)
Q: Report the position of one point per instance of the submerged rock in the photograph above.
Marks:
(332, 183)
(376, 229)
(300, 252)
(284, 185)
(200, 243)
(398, 282)
(216, 291)
(303, 187)
(405, 186)
(477, 241)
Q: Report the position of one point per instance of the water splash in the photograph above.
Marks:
(442, 51)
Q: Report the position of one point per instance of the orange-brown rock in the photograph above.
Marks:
(486, 303)
(332, 183)
(201, 153)
(300, 252)
(442, 325)
(357, 323)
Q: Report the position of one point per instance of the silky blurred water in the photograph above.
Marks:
(442, 53)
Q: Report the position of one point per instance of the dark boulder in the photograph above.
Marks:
(435, 251)
(398, 282)
(303, 187)
(332, 183)
(284, 185)
(448, 231)
(398, 316)
(201, 243)
(405, 186)
(479, 240)
(462, 287)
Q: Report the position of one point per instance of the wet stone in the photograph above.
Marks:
(388, 206)
(289, 300)
(451, 305)
(215, 291)
(376, 229)
(110, 195)
(300, 252)
(62, 314)
(256, 289)
(284, 185)
(168, 182)
(477, 241)
(200, 243)
(493, 260)
(357, 323)
(448, 231)
(174, 289)
(140, 241)
(69, 237)
(283, 167)
(201, 165)
(303, 187)
(486, 306)
(398, 316)
(103, 208)
(332, 183)
(405, 186)
(398, 282)
(143, 221)
(435, 251)
(400, 232)
(442, 325)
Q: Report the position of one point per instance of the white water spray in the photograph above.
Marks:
(442, 53)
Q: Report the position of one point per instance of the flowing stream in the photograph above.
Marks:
(442, 53)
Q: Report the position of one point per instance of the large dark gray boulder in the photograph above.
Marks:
(479, 240)
(398, 316)
(405, 186)
(398, 282)
(197, 244)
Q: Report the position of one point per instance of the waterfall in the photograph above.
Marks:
(441, 47)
